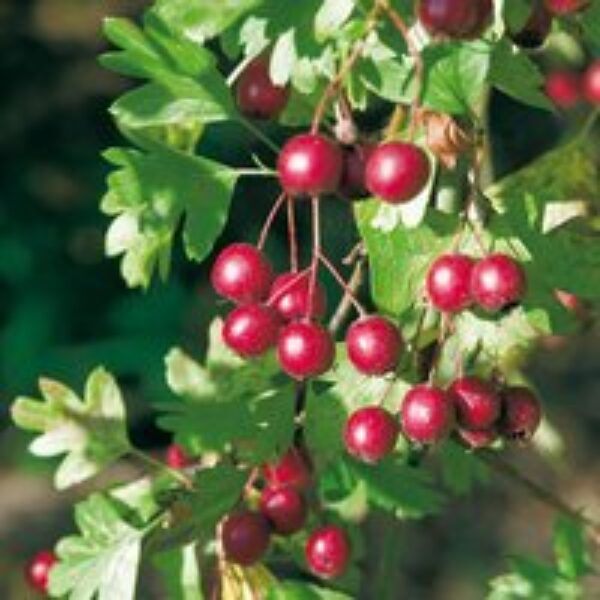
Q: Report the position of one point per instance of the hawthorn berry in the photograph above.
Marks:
(565, 7)
(449, 282)
(591, 83)
(370, 434)
(250, 330)
(427, 414)
(177, 458)
(396, 172)
(242, 274)
(460, 19)
(497, 281)
(328, 552)
(564, 89)
(353, 184)
(374, 345)
(284, 508)
(476, 403)
(245, 537)
(310, 165)
(289, 296)
(305, 349)
(37, 570)
(521, 413)
(257, 96)
(478, 439)
(535, 31)
(291, 470)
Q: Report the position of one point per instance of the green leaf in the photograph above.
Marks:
(91, 432)
(103, 561)
(331, 16)
(516, 14)
(291, 590)
(461, 470)
(570, 549)
(180, 573)
(590, 22)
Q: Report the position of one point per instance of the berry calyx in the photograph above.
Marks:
(476, 402)
(564, 89)
(460, 19)
(256, 94)
(289, 296)
(535, 31)
(449, 282)
(284, 508)
(242, 274)
(245, 537)
(427, 414)
(305, 349)
(521, 413)
(291, 470)
(177, 458)
(37, 570)
(328, 552)
(397, 172)
(497, 281)
(370, 434)
(251, 330)
(309, 165)
(478, 439)
(353, 183)
(374, 345)
(565, 7)
(591, 83)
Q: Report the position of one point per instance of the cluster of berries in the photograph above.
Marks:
(568, 89)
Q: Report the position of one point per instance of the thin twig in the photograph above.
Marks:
(340, 281)
(346, 305)
(161, 467)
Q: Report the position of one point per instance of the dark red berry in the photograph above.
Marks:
(310, 165)
(291, 470)
(328, 552)
(370, 434)
(476, 403)
(478, 439)
(449, 282)
(591, 83)
(564, 88)
(241, 273)
(461, 19)
(289, 297)
(245, 537)
(353, 184)
(250, 330)
(397, 172)
(305, 349)
(497, 281)
(177, 457)
(374, 345)
(427, 414)
(284, 508)
(521, 413)
(536, 29)
(37, 570)
(565, 7)
(257, 95)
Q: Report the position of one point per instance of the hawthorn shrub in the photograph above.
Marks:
(304, 418)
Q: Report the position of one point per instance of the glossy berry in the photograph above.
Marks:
(397, 172)
(291, 470)
(177, 458)
(497, 281)
(565, 7)
(37, 570)
(305, 349)
(476, 403)
(564, 89)
(284, 508)
(521, 413)
(245, 537)
(328, 552)
(250, 330)
(591, 83)
(241, 273)
(427, 414)
(478, 439)
(257, 96)
(309, 165)
(455, 18)
(289, 297)
(370, 434)
(536, 29)
(353, 183)
(449, 282)
(374, 345)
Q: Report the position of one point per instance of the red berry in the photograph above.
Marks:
(245, 537)
(353, 184)
(257, 95)
(564, 88)
(449, 282)
(328, 552)
(478, 439)
(251, 330)
(427, 414)
(476, 402)
(37, 570)
(305, 349)
(291, 470)
(284, 508)
(397, 172)
(374, 345)
(289, 297)
(591, 83)
(497, 281)
(177, 458)
(310, 165)
(242, 274)
(536, 29)
(565, 7)
(455, 18)
(370, 434)
(521, 413)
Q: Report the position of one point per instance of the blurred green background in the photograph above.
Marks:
(64, 308)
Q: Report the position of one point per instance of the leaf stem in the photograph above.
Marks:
(160, 466)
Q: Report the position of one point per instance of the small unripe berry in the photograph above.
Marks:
(251, 330)
(564, 89)
(284, 508)
(521, 413)
(565, 7)
(370, 434)
(37, 570)
(289, 296)
(449, 282)
(177, 457)
(591, 83)
(459, 19)
(290, 470)
(476, 403)
(427, 414)
(497, 281)
(328, 552)
(245, 537)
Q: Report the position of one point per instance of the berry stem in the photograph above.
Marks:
(285, 288)
(346, 305)
(264, 233)
(160, 466)
(292, 235)
(345, 287)
(316, 252)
